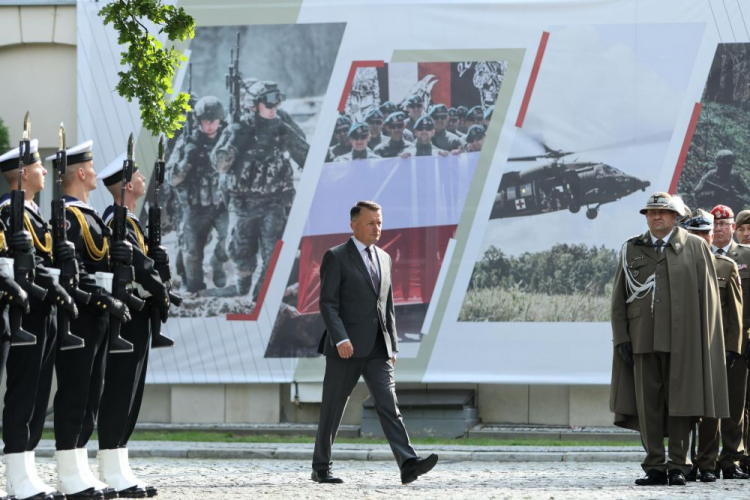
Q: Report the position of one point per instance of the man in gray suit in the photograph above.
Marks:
(356, 302)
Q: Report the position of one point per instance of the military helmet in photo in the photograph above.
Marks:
(266, 92)
(209, 108)
(725, 155)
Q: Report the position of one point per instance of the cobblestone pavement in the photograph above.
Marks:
(189, 479)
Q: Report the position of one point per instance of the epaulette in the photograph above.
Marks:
(724, 257)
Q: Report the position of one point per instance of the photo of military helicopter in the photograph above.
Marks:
(561, 185)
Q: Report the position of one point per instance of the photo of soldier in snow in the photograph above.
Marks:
(233, 168)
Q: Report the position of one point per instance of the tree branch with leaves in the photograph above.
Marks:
(151, 65)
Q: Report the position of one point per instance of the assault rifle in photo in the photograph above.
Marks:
(234, 83)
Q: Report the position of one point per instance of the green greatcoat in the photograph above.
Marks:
(689, 328)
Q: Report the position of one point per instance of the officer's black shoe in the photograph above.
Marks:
(653, 478)
(58, 495)
(707, 476)
(132, 492)
(151, 491)
(87, 494)
(692, 475)
(325, 476)
(734, 472)
(42, 496)
(676, 478)
(415, 467)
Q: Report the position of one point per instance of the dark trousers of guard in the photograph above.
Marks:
(123, 384)
(80, 377)
(29, 381)
(340, 378)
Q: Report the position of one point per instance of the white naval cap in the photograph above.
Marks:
(77, 154)
(9, 161)
(112, 173)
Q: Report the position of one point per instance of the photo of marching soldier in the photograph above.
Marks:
(422, 116)
(232, 171)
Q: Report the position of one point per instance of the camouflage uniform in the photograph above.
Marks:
(254, 158)
(722, 185)
(192, 175)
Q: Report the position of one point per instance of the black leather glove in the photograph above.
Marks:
(14, 294)
(20, 242)
(115, 307)
(121, 252)
(731, 357)
(625, 350)
(159, 255)
(64, 252)
(162, 303)
(58, 296)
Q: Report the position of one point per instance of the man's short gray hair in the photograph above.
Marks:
(356, 209)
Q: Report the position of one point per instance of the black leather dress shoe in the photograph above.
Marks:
(734, 472)
(707, 476)
(87, 494)
(132, 492)
(325, 476)
(151, 491)
(415, 467)
(109, 493)
(653, 478)
(676, 478)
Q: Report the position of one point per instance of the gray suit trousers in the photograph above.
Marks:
(340, 378)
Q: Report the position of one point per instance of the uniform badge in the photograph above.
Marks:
(635, 273)
(67, 225)
(742, 267)
(677, 245)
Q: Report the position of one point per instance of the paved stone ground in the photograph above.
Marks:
(192, 479)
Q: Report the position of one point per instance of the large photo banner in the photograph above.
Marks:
(510, 164)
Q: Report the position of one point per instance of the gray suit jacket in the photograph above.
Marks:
(350, 307)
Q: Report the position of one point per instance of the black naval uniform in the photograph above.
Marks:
(126, 373)
(29, 368)
(80, 372)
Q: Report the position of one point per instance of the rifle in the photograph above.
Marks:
(68, 270)
(23, 261)
(123, 275)
(154, 241)
(234, 82)
(189, 120)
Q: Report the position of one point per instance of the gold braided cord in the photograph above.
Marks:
(138, 235)
(94, 252)
(47, 247)
(3, 245)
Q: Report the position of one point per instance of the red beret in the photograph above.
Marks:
(722, 212)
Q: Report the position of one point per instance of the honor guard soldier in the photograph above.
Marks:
(359, 135)
(730, 293)
(424, 130)
(443, 139)
(732, 428)
(29, 367)
(126, 373)
(666, 321)
(396, 144)
(80, 372)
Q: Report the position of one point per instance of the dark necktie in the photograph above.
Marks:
(373, 272)
(658, 245)
(720, 251)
